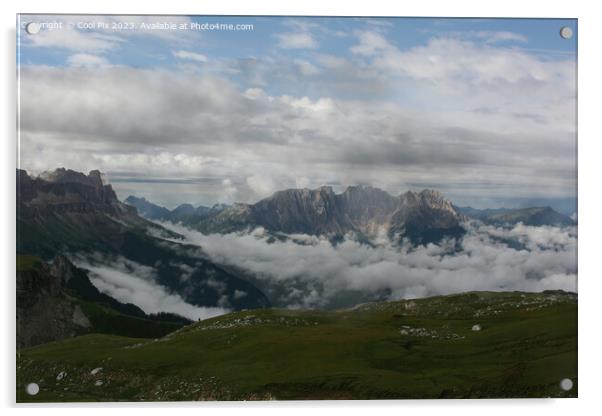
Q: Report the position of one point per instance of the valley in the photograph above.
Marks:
(307, 294)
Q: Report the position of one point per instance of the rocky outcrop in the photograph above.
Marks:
(51, 299)
(64, 191)
(44, 311)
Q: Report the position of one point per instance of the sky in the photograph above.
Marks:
(174, 110)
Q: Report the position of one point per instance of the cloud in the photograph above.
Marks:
(74, 40)
(370, 43)
(470, 119)
(306, 68)
(314, 273)
(298, 40)
(450, 59)
(100, 33)
(130, 282)
(261, 185)
(193, 56)
(493, 37)
(87, 60)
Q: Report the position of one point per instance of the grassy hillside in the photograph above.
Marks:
(407, 349)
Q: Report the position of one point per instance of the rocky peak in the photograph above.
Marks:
(326, 189)
(436, 200)
(365, 193)
(22, 175)
(94, 178)
(184, 209)
(97, 178)
(65, 190)
(219, 206)
(299, 195)
(134, 199)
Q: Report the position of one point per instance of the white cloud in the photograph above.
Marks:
(315, 272)
(305, 103)
(370, 43)
(87, 60)
(263, 186)
(193, 56)
(469, 128)
(306, 68)
(301, 40)
(74, 40)
(130, 282)
(229, 191)
(493, 37)
(454, 60)
(97, 38)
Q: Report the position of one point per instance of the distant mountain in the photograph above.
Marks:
(534, 216)
(57, 301)
(148, 209)
(422, 217)
(185, 213)
(68, 212)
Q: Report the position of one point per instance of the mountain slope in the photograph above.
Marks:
(57, 301)
(422, 348)
(68, 212)
(534, 216)
(148, 209)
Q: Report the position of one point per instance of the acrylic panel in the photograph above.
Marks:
(289, 208)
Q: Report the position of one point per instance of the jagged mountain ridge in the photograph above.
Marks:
(422, 217)
(534, 216)
(64, 190)
(185, 213)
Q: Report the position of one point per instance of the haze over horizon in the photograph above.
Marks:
(481, 110)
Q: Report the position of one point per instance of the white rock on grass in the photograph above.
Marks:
(98, 383)
(96, 371)
(61, 376)
(477, 327)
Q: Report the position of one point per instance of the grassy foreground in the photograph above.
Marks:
(423, 348)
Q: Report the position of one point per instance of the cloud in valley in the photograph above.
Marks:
(130, 282)
(314, 272)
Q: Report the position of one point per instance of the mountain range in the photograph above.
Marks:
(422, 217)
(64, 212)
(185, 213)
(67, 212)
(65, 216)
(534, 216)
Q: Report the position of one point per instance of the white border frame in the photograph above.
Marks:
(590, 24)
